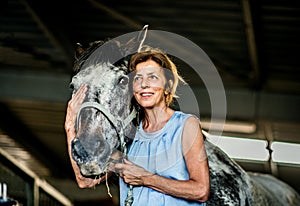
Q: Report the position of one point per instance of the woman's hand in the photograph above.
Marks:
(72, 110)
(132, 173)
(71, 115)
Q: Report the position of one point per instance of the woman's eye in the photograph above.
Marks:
(153, 77)
(136, 78)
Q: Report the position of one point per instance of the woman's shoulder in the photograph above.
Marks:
(180, 114)
(187, 120)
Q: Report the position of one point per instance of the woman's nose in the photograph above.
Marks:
(144, 83)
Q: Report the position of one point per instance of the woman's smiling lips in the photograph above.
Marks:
(146, 94)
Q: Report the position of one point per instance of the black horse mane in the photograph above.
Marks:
(113, 54)
(83, 52)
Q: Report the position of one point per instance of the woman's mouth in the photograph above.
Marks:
(146, 94)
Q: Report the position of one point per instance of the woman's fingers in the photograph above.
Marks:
(79, 96)
(73, 108)
(77, 99)
(128, 162)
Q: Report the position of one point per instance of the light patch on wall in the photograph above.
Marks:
(286, 152)
(255, 149)
(242, 148)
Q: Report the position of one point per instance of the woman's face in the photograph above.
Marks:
(148, 84)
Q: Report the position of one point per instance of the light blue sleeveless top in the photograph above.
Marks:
(159, 152)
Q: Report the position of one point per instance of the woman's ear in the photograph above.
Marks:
(168, 86)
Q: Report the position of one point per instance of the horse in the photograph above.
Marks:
(105, 127)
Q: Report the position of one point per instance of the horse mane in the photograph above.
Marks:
(111, 49)
(82, 53)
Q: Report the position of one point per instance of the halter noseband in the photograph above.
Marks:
(113, 120)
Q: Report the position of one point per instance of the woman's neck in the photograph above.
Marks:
(156, 118)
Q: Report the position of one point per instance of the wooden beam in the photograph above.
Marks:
(252, 45)
(49, 35)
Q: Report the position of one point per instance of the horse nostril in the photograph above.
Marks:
(79, 154)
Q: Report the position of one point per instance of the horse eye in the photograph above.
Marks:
(123, 81)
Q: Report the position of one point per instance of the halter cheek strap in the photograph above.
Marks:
(114, 121)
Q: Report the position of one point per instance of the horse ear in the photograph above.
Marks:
(135, 44)
(79, 50)
(78, 53)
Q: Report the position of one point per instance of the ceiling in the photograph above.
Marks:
(253, 45)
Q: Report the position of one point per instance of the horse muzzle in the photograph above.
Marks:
(88, 164)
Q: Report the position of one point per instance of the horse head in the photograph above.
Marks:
(104, 120)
